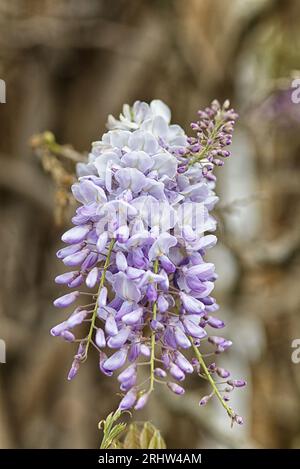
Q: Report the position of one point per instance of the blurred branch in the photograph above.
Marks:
(61, 32)
(60, 162)
(25, 180)
(45, 144)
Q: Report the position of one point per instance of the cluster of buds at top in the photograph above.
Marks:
(214, 131)
(137, 253)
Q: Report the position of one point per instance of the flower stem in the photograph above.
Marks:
(102, 280)
(201, 361)
(208, 146)
(152, 357)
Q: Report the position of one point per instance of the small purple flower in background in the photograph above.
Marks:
(137, 252)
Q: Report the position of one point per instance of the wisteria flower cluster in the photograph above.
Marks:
(138, 248)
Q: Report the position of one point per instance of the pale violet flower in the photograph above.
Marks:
(138, 245)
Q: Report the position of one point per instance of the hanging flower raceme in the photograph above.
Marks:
(137, 253)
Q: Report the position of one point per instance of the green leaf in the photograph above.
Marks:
(146, 435)
(156, 441)
(111, 429)
(151, 438)
(132, 438)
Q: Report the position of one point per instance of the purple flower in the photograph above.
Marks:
(142, 401)
(237, 383)
(92, 278)
(66, 277)
(128, 373)
(111, 327)
(115, 361)
(119, 339)
(133, 317)
(177, 372)
(176, 388)
(73, 370)
(100, 338)
(183, 363)
(160, 373)
(128, 400)
(140, 236)
(76, 234)
(192, 305)
(66, 300)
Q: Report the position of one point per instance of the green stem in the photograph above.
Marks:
(152, 357)
(111, 429)
(207, 147)
(201, 361)
(102, 280)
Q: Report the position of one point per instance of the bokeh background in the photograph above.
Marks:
(67, 64)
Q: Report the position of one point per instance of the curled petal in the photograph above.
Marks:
(162, 245)
(67, 251)
(128, 400)
(102, 298)
(224, 346)
(145, 350)
(102, 360)
(102, 241)
(76, 234)
(126, 288)
(127, 373)
(222, 372)
(59, 328)
(204, 400)
(68, 336)
(204, 271)
(66, 277)
(128, 384)
(237, 383)
(139, 160)
(162, 304)
(215, 322)
(130, 178)
(122, 234)
(100, 338)
(73, 370)
(121, 261)
(167, 265)
(66, 300)
(119, 339)
(181, 338)
(142, 401)
(111, 327)
(193, 330)
(92, 278)
(177, 372)
(169, 338)
(176, 388)
(76, 282)
(90, 261)
(151, 292)
(134, 352)
(216, 340)
(160, 373)
(133, 317)
(76, 318)
(115, 361)
(76, 258)
(191, 304)
(183, 363)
